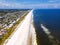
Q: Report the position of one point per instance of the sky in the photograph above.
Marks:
(29, 4)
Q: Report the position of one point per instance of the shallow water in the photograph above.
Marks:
(50, 18)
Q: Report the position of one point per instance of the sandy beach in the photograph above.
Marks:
(24, 33)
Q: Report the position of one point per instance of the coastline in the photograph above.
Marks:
(23, 29)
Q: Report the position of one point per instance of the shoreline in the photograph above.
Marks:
(22, 30)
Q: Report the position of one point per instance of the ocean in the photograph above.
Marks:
(47, 25)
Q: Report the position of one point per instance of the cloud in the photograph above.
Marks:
(3, 4)
(9, 5)
(23, 5)
(53, 1)
(44, 5)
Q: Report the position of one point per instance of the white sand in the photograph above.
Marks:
(23, 32)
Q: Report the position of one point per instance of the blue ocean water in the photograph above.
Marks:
(50, 18)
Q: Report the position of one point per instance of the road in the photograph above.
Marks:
(23, 34)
